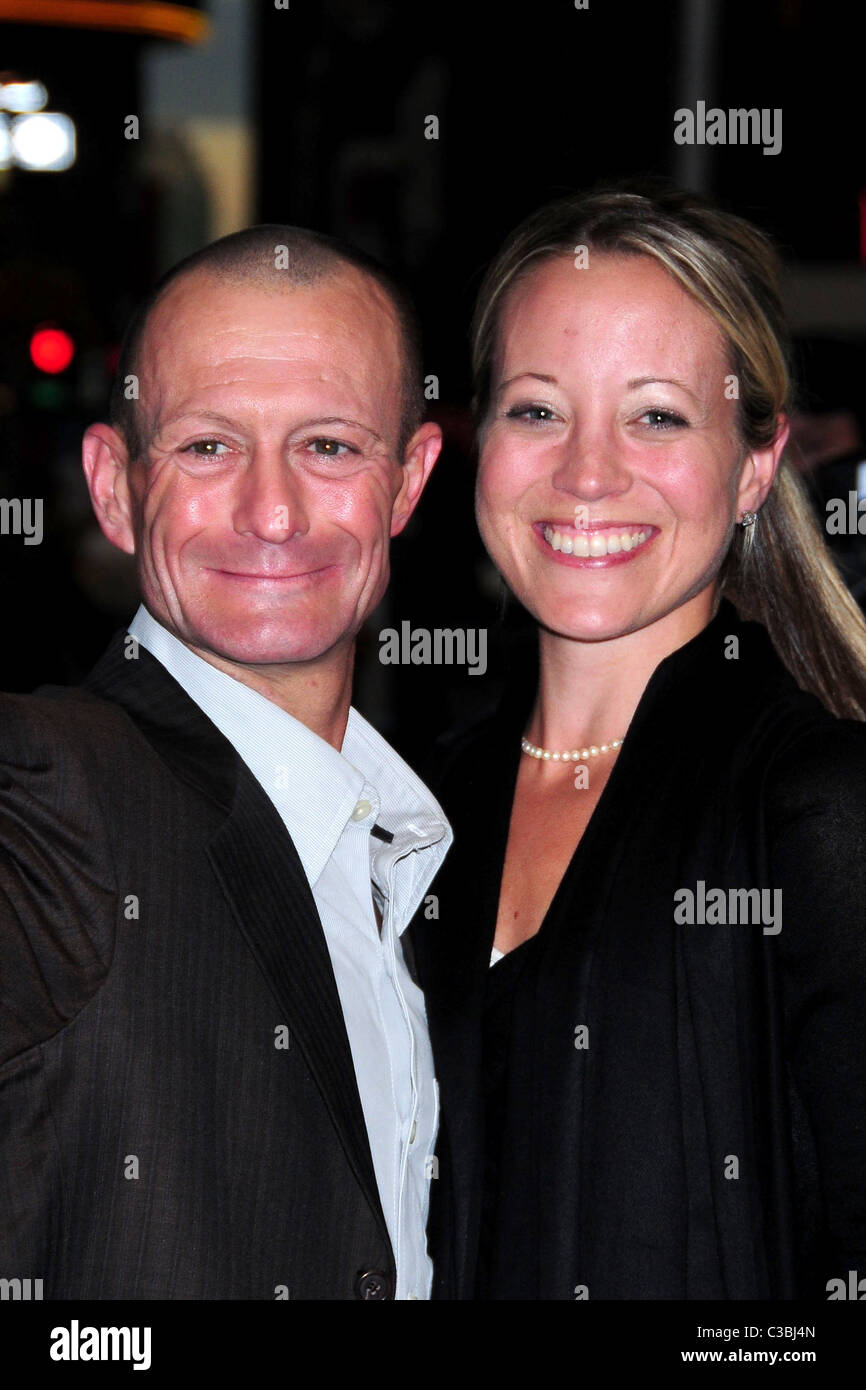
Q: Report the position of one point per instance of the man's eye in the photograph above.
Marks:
(205, 448)
(532, 414)
(663, 419)
(330, 448)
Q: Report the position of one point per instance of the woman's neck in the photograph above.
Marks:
(588, 691)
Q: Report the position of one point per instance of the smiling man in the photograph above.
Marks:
(215, 1074)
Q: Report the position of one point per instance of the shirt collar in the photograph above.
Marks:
(314, 786)
(407, 811)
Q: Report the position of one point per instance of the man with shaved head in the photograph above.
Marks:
(215, 1075)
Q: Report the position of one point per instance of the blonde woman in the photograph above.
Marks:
(646, 986)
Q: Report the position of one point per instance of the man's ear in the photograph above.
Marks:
(759, 470)
(422, 451)
(105, 460)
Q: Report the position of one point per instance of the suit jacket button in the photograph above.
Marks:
(373, 1284)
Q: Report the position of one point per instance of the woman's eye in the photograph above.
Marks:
(532, 414)
(330, 448)
(205, 448)
(663, 419)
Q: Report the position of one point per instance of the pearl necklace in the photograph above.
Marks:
(576, 754)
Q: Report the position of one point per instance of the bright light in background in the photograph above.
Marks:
(51, 350)
(23, 96)
(44, 140)
(34, 139)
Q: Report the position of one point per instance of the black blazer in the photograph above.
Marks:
(706, 1043)
(156, 931)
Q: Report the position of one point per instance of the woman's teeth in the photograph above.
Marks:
(596, 543)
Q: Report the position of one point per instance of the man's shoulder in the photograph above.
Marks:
(128, 726)
(58, 718)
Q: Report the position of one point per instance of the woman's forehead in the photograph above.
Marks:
(615, 305)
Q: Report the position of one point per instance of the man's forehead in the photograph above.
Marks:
(201, 305)
(209, 337)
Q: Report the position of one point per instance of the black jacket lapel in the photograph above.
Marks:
(452, 970)
(261, 875)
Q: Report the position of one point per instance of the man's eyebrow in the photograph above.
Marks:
(338, 420)
(664, 381)
(536, 376)
(315, 420)
(198, 415)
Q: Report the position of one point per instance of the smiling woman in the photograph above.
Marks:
(779, 571)
(626, 466)
(638, 1102)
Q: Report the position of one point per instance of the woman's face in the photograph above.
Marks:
(611, 474)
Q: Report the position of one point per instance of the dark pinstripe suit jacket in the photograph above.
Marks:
(156, 930)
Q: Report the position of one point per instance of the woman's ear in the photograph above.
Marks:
(759, 470)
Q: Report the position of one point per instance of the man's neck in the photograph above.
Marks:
(317, 693)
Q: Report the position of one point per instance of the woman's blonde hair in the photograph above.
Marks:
(779, 571)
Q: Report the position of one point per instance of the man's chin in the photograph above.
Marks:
(263, 648)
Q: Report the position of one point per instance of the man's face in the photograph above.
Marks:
(262, 510)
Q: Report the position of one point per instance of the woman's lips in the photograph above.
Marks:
(599, 546)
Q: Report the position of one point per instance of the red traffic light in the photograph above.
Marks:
(51, 350)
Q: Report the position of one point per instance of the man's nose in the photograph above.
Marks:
(269, 502)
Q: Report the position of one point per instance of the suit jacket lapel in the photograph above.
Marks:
(259, 870)
(452, 965)
(261, 875)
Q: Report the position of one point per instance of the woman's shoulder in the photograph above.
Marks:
(784, 735)
(806, 765)
(816, 759)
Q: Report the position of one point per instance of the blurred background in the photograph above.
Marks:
(134, 131)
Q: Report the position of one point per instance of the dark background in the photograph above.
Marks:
(533, 100)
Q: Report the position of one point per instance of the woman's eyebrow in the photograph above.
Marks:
(536, 376)
(663, 380)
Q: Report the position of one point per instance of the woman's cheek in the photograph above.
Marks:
(504, 475)
(491, 525)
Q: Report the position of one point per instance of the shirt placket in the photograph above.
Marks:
(401, 850)
(364, 814)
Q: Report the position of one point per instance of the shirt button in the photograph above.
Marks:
(413, 1131)
(374, 1286)
(362, 810)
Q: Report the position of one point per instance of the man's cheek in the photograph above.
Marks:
(367, 517)
(350, 503)
(175, 516)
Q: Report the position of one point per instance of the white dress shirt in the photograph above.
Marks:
(329, 802)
